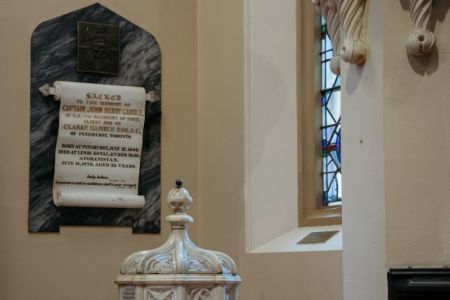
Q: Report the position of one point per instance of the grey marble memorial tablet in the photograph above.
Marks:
(54, 58)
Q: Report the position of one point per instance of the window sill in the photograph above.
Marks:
(326, 216)
(288, 241)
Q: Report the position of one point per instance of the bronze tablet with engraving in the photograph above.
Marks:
(98, 48)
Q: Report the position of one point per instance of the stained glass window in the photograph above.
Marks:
(331, 124)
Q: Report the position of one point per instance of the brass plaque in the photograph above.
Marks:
(318, 237)
(98, 48)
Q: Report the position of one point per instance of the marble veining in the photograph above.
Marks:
(53, 57)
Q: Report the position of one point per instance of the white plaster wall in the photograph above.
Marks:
(396, 146)
(363, 170)
(221, 171)
(83, 262)
(417, 142)
(271, 142)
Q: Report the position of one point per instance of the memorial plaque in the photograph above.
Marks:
(98, 48)
(99, 144)
(54, 58)
(318, 237)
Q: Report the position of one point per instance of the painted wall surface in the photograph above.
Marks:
(202, 141)
(82, 263)
(274, 276)
(363, 217)
(396, 153)
(270, 119)
(417, 142)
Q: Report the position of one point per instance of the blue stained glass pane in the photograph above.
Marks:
(331, 125)
(338, 145)
(329, 55)
(328, 43)
(331, 137)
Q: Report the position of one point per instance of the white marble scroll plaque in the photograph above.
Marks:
(99, 145)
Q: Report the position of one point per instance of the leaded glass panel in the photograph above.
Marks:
(331, 124)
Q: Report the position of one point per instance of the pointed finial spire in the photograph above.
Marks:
(179, 183)
(179, 201)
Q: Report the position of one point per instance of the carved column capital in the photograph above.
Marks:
(421, 41)
(354, 47)
(344, 19)
(330, 10)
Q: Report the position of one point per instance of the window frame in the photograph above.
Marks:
(311, 211)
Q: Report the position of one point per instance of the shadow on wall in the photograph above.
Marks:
(353, 78)
(428, 64)
(272, 100)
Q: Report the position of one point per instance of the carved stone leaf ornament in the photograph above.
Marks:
(179, 255)
(179, 269)
(200, 294)
(159, 294)
(354, 48)
(421, 41)
(345, 19)
(329, 9)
